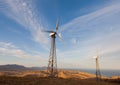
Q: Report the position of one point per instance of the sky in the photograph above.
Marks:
(88, 28)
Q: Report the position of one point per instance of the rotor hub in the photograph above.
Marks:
(53, 34)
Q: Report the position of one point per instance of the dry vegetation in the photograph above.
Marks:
(39, 78)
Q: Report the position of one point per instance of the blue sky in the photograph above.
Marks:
(85, 26)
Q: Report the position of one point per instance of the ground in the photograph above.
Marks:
(39, 78)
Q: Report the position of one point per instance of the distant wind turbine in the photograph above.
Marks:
(98, 73)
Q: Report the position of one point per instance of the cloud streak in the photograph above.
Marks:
(93, 31)
(83, 35)
(23, 12)
(8, 49)
(79, 22)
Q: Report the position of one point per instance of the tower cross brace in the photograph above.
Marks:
(52, 62)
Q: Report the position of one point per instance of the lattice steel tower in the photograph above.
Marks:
(98, 73)
(52, 62)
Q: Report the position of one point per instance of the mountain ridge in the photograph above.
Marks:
(19, 67)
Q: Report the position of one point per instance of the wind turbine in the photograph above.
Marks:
(52, 62)
(98, 73)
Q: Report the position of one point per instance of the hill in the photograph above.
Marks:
(10, 67)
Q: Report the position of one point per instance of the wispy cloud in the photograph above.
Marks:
(23, 12)
(78, 23)
(8, 49)
(74, 41)
(84, 34)
(93, 31)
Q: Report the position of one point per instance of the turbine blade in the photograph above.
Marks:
(60, 38)
(57, 24)
(47, 31)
